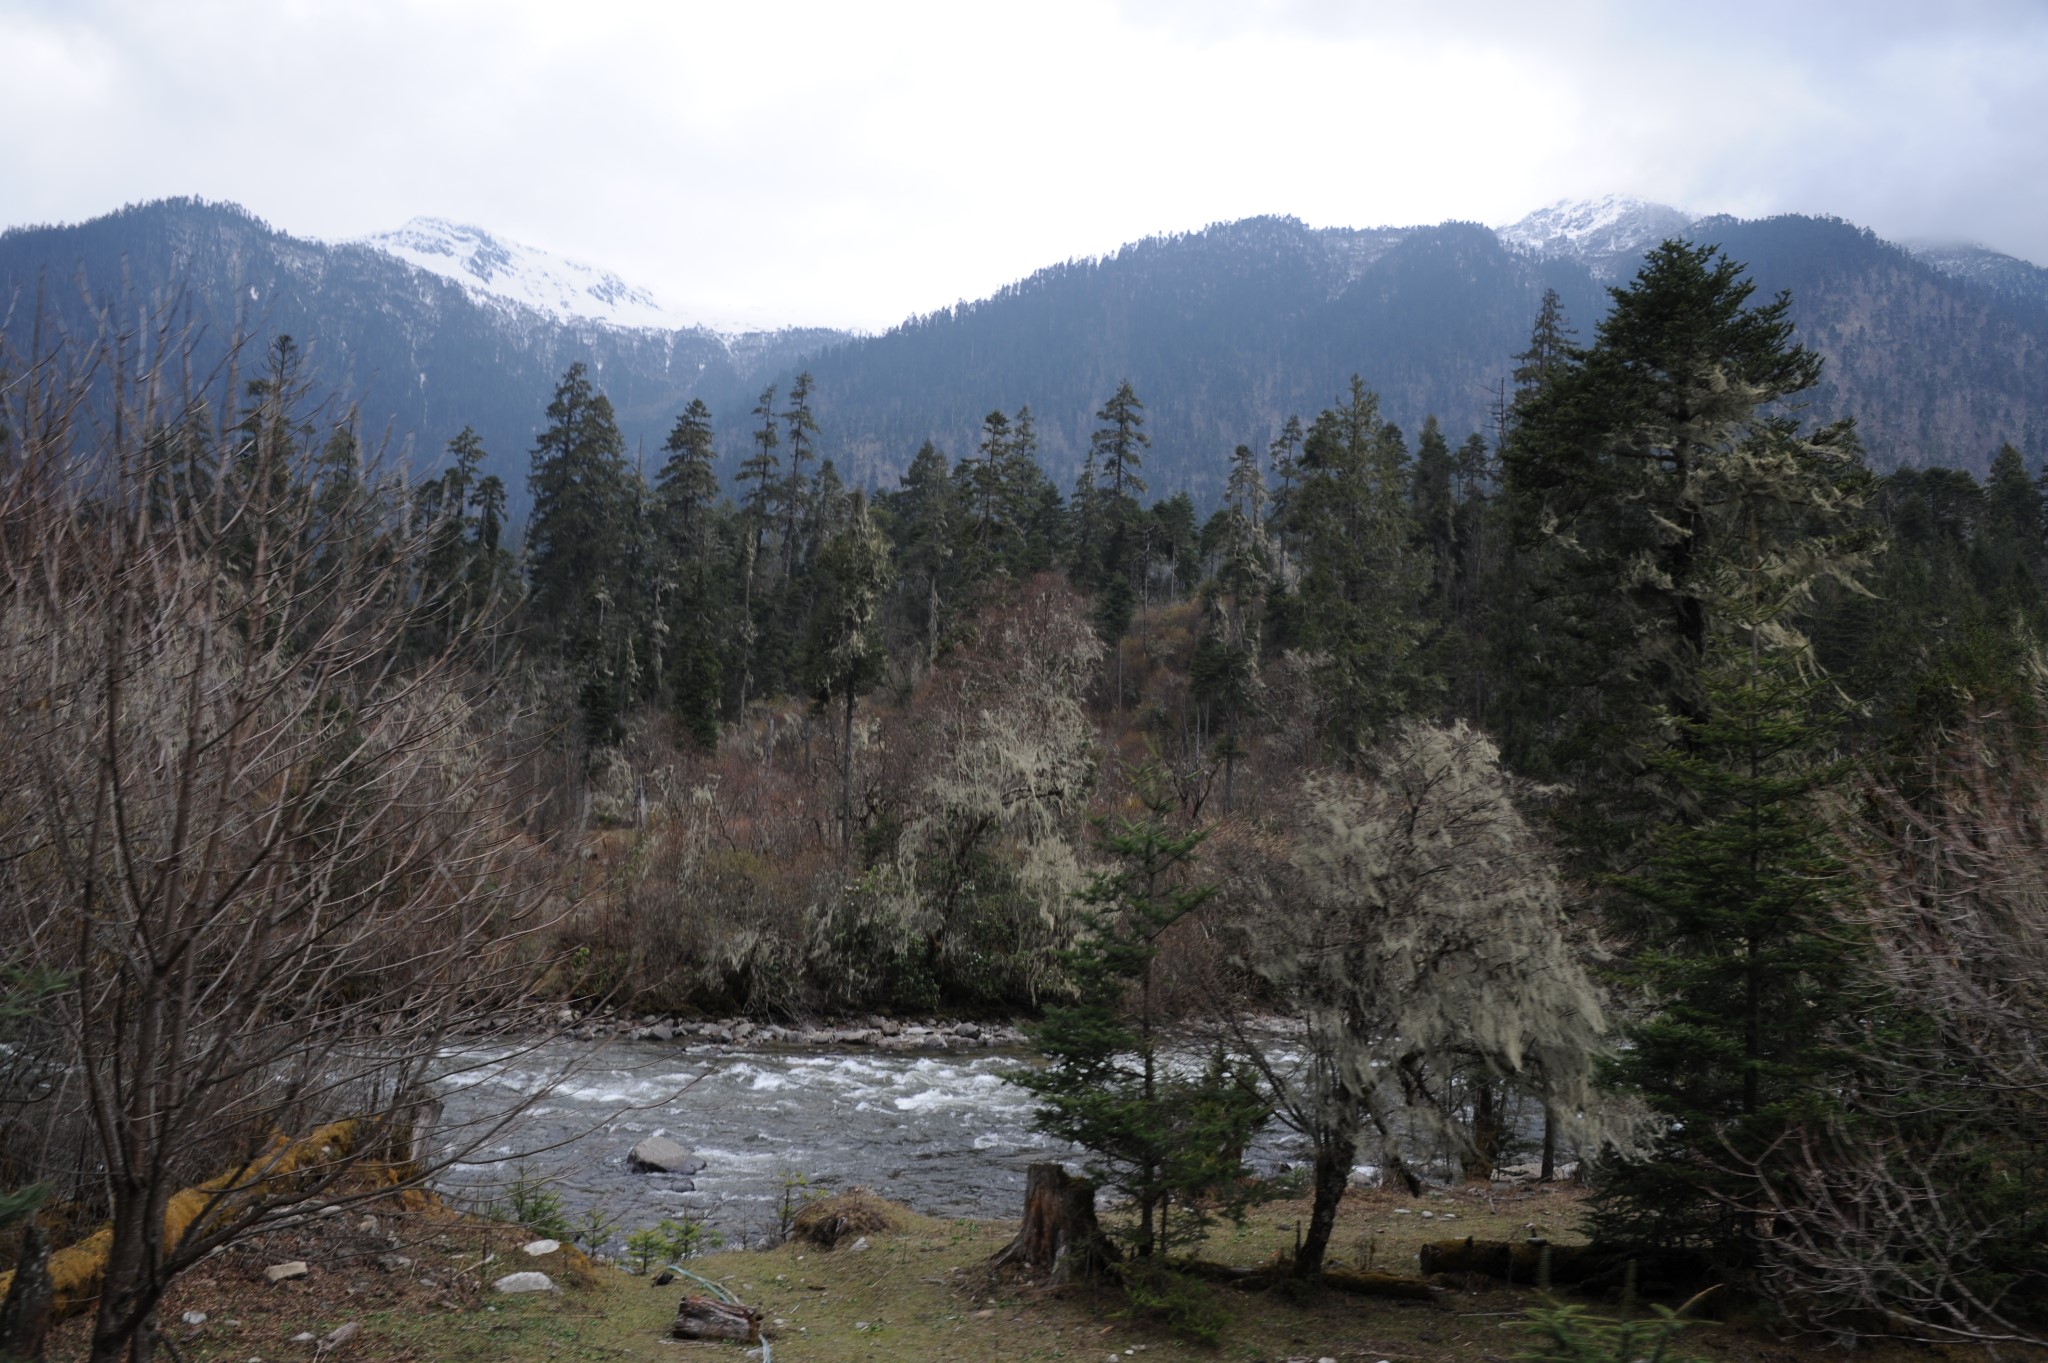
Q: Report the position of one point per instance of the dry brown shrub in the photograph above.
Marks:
(855, 1212)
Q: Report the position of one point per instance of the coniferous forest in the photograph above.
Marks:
(1641, 784)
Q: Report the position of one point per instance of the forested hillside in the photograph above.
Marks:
(1225, 330)
(417, 357)
(1640, 779)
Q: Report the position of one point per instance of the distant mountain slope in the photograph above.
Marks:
(2015, 279)
(1223, 332)
(1940, 354)
(1935, 370)
(1226, 331)
(422, 354)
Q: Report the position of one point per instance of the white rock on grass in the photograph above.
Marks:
(278, 1273)
(525, 1282)
(540, 1247)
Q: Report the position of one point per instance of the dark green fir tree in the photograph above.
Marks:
(1153, 1131)
(1738, 948)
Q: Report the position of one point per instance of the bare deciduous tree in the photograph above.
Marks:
(1919, 1207)
(258, 835)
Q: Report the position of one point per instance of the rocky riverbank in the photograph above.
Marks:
(880, 1033)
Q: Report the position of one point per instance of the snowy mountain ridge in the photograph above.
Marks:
(495, 270)
(1595, 230)
(1607, 234)
(1994, 270)
(1610, 233)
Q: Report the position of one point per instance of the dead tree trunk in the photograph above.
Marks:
(709, 1318)
(25, 1316)
(1060, 1236)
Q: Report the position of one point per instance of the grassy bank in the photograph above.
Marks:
(918, 1294)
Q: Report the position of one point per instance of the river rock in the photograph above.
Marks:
(660, 1155)
(525, 1282)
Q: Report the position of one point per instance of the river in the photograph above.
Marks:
(939, 1131)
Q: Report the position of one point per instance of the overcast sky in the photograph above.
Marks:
(851, 162)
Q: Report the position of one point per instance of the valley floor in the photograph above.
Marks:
(919, 1296)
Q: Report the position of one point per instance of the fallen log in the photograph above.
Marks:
(1387, 1286)
(1518, 1262)
(709, 1318)
(1590, 1267)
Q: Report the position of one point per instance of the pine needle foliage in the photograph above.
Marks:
(1641, 470)
(1161, 1135)
(1741, 949)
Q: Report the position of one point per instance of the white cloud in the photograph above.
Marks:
(848, 164)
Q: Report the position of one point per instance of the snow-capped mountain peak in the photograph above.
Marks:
(1595, 229)
(496, 269)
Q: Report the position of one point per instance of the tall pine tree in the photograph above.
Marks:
(1360, 591)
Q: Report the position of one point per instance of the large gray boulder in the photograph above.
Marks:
(660, 1155)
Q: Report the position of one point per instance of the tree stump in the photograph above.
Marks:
(1060, 1236)
(709, 1318)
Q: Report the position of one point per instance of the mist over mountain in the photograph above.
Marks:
(1937, 350)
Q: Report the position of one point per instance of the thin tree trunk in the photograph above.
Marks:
(25, 1315)
(1486, 1132)
(1230, 759)
(846, 779)
(1335, 1154)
